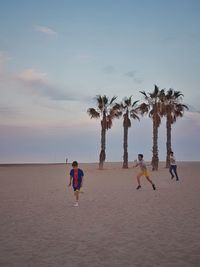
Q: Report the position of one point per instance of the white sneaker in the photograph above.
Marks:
(76, 204)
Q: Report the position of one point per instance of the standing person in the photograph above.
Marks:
(143, 172)
(173, 166)
(76, 180)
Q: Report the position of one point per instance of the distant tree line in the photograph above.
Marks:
(158, 104)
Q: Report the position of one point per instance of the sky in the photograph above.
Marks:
(57, 55)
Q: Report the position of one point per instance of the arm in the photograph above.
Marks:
(135, 166)
(135, 163)
(82, 175)
(70, 181)
(82, 181)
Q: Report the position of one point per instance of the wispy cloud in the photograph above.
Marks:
(32, 82)
(37, 84)
(193, 109)
(44, 29)
(7, 111)
(193, 116)
(132, 74)
(30, 98)
(32, 76)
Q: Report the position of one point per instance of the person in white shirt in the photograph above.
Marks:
(173, 166)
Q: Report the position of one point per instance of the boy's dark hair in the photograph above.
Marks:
(140, 155)
(74, 164)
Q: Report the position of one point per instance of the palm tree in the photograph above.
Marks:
(106, 111)
(152, 107)
(130, 110)
(172, 108)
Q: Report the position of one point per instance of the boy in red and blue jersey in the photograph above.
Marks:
(76, 179)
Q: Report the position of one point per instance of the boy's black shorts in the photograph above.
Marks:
(77, 188)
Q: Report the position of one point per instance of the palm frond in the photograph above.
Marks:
(109, 122)
(99, 99)
(156, 89)
(151, 113)
(144, 93)
(143, 108)
(100, 103)
(134, 115)
(117, 106)
(155, 93)
(185, 106)
(93, 113)
(113, 99)
(114, 113)
(134, 103)
(118, 114)
(105, 100)
(170, 93)
(127, 101)
(162, 95)
(178, 94)
(122, 106)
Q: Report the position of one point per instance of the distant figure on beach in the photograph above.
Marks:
(66, 160)
(76, 180)
(173, 166)
(143, 172)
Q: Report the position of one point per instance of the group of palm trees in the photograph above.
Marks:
(158, 104)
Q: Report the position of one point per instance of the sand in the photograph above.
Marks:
(114, 225)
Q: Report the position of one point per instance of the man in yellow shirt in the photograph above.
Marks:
(143, 172)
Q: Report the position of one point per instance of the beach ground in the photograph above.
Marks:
(114, 225)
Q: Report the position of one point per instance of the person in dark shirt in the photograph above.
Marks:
(76, 180)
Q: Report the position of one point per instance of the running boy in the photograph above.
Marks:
(173, 166)
(143, 172)
(76, 179)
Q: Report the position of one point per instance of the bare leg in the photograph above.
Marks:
(138, 180)
(76, 194)
(150, 181)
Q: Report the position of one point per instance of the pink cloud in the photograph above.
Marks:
(193, 117)
(31, 75)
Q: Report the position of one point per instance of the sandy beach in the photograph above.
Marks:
(114, 225)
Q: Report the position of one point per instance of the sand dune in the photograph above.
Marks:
(114, 225)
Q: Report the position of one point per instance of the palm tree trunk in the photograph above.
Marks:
(155, 158)
(102, 155)
(125, 146)
(168, 143)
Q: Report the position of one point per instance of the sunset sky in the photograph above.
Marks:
(57, 55)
